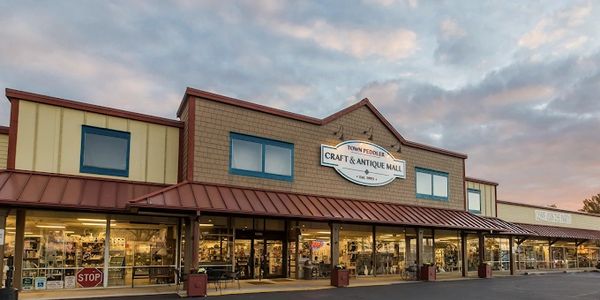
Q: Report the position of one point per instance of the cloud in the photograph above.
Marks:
(390, 44)
(555, 28)
(519, 128)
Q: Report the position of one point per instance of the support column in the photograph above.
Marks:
(463, 253)
(335, 244)
(106, 252)
(511, 254)
(374, 253)
(481, 248)
(419, 251)
(192, 241)
(19, 247)
(3, 216)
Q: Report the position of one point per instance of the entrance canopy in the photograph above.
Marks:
(212, 198)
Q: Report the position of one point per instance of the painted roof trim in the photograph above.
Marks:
(303, 118)
(482, 181)
(38, 98)
(547, 208)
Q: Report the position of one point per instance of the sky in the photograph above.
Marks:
(513, 84)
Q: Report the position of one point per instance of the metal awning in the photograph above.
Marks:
(213, 198)
(511, 228)
(20, 188)
(561, 232)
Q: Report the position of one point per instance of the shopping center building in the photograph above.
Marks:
(96, 197)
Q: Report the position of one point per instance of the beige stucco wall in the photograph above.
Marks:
(488, 197)
(215, 121)
(49, 140)
(3, 150)
(526, 214)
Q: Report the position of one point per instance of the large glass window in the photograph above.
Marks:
(253, 156)
(391, 250)
(104, 151)
(534, 254)
(497, 253)
(314, 250)
(474, 197)
(57, 246)
(448, 251)
(356, 248)
(431, 184)
(142, 251)
(9, 244)
(216, 239)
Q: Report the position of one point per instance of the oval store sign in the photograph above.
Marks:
(89, 277)
(363, 162)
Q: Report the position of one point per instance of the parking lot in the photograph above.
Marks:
(553, 286)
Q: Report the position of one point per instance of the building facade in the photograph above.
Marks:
(98, 197)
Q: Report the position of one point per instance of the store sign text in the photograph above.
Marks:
(552, 217)
(363, 162)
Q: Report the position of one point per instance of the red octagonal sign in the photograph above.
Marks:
(89, 277)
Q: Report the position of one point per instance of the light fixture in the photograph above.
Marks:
(323, 232)
(305, 234)
(10, 232)
(369, 132)
(51, 226)
(206, 225)
(323, 237)
(97, 224)
(339, 133)
(397, 147)
(91, 220)
(10, 228)
(69, 231)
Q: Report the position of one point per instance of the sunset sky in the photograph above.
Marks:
(513, 84)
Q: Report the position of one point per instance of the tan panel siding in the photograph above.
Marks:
(488, 197)
(215, 121)
(3, 150)
(49, 140)
(523, 214)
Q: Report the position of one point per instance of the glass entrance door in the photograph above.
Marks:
(274, 254)
(268, 258)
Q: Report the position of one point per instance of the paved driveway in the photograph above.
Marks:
(542, 287)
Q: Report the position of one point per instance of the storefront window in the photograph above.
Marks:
(314, 250)
(356, 249)
(472, 252)
(390, 257)
(142, 251)
(497, 253)
(9, 244)
(534, 254)
(57, 246)
(428, 247)
(216, 240)
(587, 255)
(447, 251)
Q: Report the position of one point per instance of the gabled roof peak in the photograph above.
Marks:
(312, 120)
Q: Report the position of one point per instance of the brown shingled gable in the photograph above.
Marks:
(286, 114)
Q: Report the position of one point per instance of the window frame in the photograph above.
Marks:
(432, 173)
(263, 142)
(475, 191)
(85, 129)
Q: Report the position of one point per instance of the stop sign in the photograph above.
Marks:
(89, 277)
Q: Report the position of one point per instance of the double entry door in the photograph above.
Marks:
(259, 258)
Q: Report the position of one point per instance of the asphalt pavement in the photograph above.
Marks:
(531, 287)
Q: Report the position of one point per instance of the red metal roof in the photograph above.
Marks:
(511, 228)
(214, 198)
(42, 189)
(561, 232)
